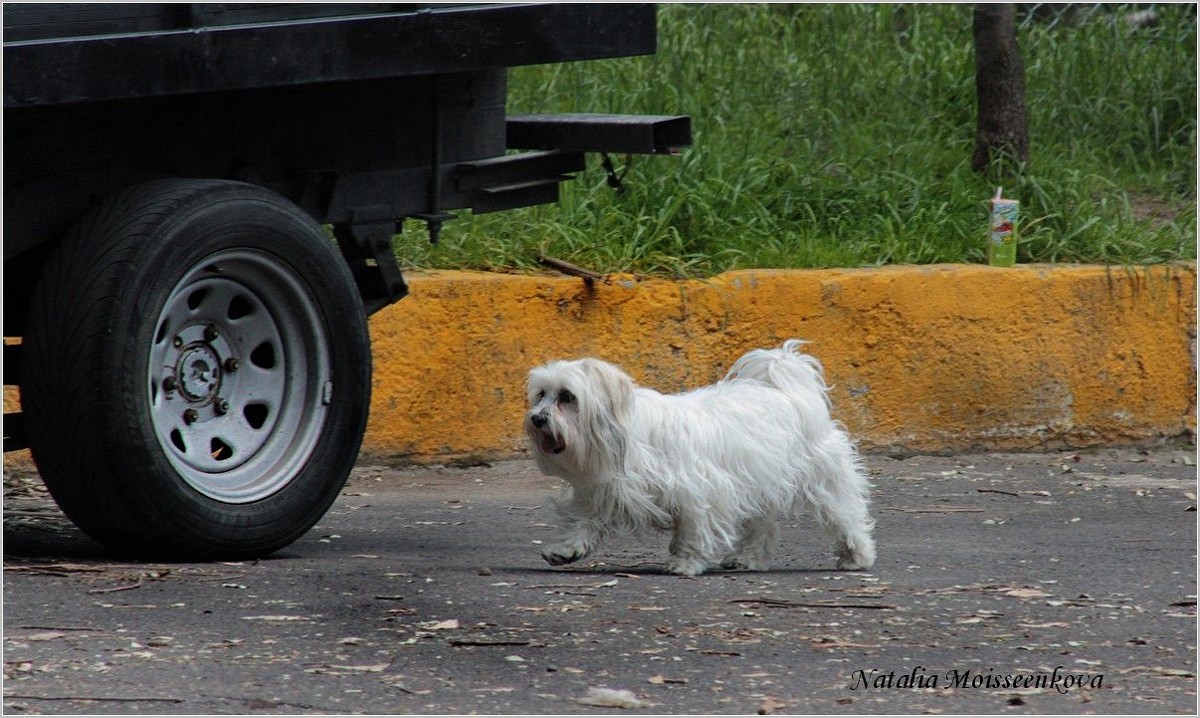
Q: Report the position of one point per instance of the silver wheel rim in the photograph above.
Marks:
(239, 376)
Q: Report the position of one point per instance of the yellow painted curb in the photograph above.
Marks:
(929, 358)
(922, 359)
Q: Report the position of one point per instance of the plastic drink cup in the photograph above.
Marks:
(1002, 231)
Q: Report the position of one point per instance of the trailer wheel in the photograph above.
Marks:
(197, 371)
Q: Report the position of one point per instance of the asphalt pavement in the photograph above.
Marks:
(1006, 583)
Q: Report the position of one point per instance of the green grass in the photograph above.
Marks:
(841, 135)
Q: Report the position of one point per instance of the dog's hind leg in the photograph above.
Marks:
(756, 544)
(842, 506)
(855, 551)
(845, 517)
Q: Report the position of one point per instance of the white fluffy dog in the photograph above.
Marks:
(716, 466)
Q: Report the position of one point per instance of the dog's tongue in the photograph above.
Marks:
(551, 445)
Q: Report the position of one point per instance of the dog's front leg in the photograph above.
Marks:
(582, 538)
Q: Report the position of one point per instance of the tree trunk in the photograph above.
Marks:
(1002, 131)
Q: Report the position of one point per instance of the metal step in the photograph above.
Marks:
(626, 134)
(521, 194)
(518, 180)
(516, 169)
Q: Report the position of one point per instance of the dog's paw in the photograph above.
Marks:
(849, 564)
(859, 560)
(686, 566)
(563, 553)
(743, 563)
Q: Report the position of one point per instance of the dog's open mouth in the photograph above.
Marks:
(550, 444)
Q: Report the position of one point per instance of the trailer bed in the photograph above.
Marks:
(125, 51)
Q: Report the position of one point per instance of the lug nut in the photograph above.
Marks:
(221, 406)
(210, 332)
(232, 364)
(191, 416)
(170, 383)
(177, 342)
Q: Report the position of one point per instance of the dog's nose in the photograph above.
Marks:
(539, 420)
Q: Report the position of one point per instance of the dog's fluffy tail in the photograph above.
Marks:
(787, 369)
(834, 478)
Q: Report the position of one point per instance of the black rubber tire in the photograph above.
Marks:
(87, 355)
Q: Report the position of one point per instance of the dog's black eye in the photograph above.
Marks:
(539, 396)
(565, 397)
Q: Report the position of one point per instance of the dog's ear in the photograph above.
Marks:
(614, 386)
(604, 415)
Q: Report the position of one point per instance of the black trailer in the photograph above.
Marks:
(199, 204)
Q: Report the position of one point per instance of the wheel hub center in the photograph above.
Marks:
(199, 372)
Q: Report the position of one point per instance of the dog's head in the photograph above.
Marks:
(576, 418)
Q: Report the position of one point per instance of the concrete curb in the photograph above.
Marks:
(922, 359)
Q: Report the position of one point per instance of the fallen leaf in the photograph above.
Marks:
(42, 636)
(447, 625)
(1026, 593)
(827, 642)
(610, 698)
(337, 670)
(660, 679)
(372, 668)
(1048, 624)
(769, 706)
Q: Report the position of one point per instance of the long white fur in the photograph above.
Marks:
(716, 466)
